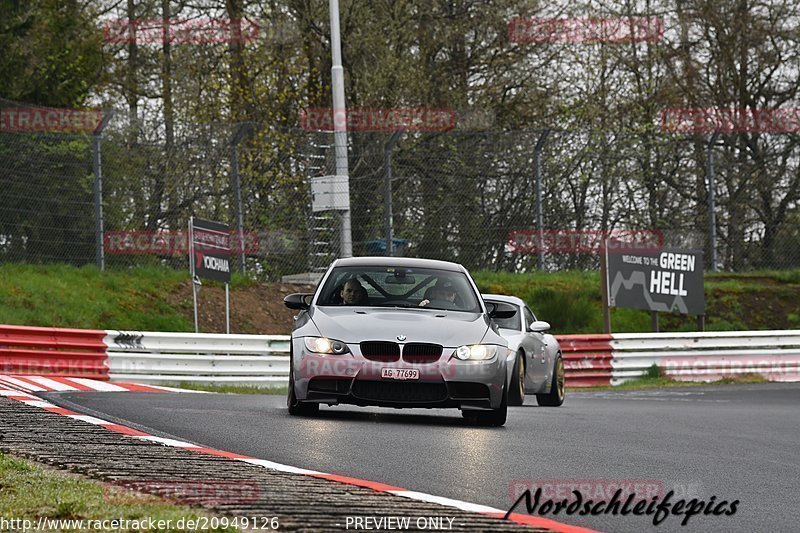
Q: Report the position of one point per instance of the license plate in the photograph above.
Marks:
(399, 373)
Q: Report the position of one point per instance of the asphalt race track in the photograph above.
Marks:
(736, 442)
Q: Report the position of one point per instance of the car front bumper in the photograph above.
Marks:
(354, 379)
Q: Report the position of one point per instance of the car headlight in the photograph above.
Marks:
(475, 352)
(325, 345)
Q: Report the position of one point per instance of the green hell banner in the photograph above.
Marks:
(668, 280)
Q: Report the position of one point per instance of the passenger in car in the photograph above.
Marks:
(353, 293)
(443, 292)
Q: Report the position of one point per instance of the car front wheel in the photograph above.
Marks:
(516, 395)
(556, 395)
(296, 407)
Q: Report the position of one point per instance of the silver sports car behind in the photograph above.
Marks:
(399, 332)
(535, 359)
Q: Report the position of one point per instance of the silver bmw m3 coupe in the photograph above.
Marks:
(399, 332)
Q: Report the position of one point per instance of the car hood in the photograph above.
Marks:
(353, 325)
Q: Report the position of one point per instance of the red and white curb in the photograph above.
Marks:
(34, 401)
(60, 384)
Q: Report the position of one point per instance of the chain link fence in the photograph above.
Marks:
(465, 196)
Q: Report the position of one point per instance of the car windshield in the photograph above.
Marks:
(507, 323)
(387, 286)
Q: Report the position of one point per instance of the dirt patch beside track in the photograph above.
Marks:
(255, 309)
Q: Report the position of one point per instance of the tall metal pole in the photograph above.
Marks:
(227, 309)
(98, 201)
(537, 169)
(604, 296)
(387, 183)
(195, 279)
(712, 220)
(237, 187)
(340, 125)
(97, 169)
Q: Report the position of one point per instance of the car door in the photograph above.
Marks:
(538, 365)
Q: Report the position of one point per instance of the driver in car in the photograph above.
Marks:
(353, 293)
(443, 292)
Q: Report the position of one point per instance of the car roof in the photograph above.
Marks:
(408, 262)
(504, 298)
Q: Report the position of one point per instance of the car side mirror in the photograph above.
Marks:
(539, 326)
(501, 310)
(298, 300)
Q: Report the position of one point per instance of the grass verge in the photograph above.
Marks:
(32, 492)
(233, 389)
(653, 380)
(66, 296)
(138, 299)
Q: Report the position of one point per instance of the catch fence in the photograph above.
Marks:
(518, 201)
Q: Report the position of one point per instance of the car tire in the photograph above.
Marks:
(296, 407)
(555, 397)
(516, 393)
(493, 418)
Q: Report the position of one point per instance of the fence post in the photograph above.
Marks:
(537, 169)
(237, 191)
(712, 220)
(97, 169)
(387, 184)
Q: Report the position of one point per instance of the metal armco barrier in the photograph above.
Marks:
(708, 356)
(589, 360)
(53, 352)
(149, 357)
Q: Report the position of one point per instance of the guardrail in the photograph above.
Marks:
(150, 357)
(53, 352)
(589, 360)
(707, 356)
